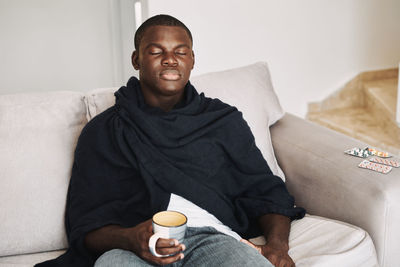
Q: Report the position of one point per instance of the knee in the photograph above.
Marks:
(106, 258)
(115, 257)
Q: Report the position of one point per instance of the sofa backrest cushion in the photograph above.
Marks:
(248, 88)
(38, 134)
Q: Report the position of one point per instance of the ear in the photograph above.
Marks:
(193, 59)
(135, 60)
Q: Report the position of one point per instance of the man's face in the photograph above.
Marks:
(164, 60)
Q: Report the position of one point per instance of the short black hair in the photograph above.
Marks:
(159, 20)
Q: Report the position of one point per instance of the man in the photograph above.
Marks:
(164, 146)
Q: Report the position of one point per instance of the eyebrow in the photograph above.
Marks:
(160, 46)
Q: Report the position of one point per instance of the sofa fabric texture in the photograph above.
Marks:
(38, 134)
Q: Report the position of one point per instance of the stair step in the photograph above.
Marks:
(383, 94)
(360, 124)
(365, 109)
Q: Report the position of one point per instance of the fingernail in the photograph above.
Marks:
(182, 256)
(183, 247)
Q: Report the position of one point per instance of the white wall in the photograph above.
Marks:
(64, 44)
(312, 46)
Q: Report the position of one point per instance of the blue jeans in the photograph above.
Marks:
(204, 247)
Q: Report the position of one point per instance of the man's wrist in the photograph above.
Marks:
(276, 231)
(127, 237)
(109, 237)
(278, 243)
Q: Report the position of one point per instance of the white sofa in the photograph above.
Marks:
(38, 134)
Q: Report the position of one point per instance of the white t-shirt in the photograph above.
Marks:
(198, 217)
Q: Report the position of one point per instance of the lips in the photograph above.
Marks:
(170, 75)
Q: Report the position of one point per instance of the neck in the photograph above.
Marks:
(165, 103)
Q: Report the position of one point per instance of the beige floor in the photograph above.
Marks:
(371, 120)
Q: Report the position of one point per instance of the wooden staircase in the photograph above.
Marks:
(365, 108)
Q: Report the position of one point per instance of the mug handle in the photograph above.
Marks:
(152, 244)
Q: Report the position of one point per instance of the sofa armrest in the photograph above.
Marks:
(329, 183)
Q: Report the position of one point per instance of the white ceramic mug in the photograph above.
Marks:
(167, 224)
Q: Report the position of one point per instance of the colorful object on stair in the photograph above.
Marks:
(375, 166)
(388, 162)
(375, 152)
(359, 152)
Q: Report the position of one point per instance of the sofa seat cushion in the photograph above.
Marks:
(322, 242)
(28, 260)
(38, 134)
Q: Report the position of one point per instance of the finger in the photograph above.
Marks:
(290, 262)
(150, 228)
(251, 244)
(273, 259)
(247, 242)
(281, 263)
(167, 243)
(284, 263)
(171, 250)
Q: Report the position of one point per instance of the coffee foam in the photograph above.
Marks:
(169, 218)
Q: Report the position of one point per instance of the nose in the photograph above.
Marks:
(169, 60)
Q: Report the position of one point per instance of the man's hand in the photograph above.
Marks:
(140, 245)
(275, 253)
(135, 239)
(276, 231)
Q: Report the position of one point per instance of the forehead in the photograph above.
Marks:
(164, 35)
